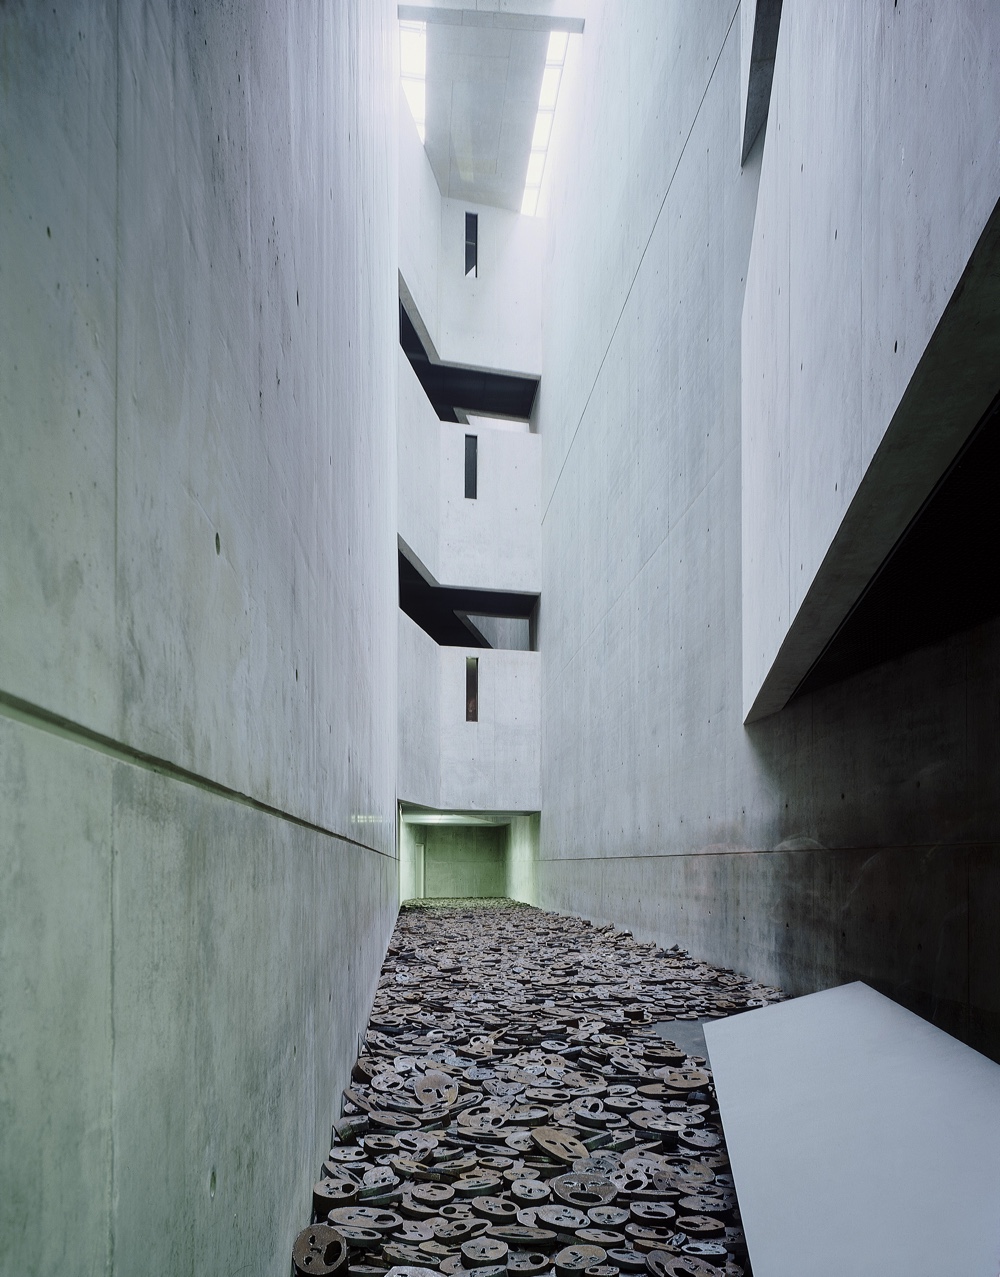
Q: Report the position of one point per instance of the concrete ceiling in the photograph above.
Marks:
(484, 73)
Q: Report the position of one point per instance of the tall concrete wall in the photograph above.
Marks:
(197, 603)
(490, 542)
(448, 763)
(491, 319)
(880, 171)
(853, 835)
(522, 852)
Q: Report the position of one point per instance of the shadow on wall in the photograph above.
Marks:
(883, 821)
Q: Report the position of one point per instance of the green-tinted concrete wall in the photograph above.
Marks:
(522, 857)
(465, 860)
(198, 334)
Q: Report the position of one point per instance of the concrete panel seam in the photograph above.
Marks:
(965, 844)
(20, 711)
(638, 268)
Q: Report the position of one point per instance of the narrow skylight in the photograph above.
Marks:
(413, 70)
(555, 60)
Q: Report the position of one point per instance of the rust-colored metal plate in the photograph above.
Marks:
(481, 1252)
(319, 1251)
(510, 1073)
(576, 1259)
(558, 1143)
(583, 1189)
(700, 1226)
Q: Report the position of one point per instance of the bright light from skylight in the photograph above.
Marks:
(413, 70)
(555, 60)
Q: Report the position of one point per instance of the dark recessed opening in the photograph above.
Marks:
(471, 466)
(472, 689)
(472, 245)
(940, 577)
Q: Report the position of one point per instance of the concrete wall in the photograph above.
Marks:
(522, 853)
(466, 860)
(853, 835)
(419, 230)
(491, 320)
(448, 763)
(419, 712)
(197, 586)
(412, 865)
(880, 171)
(492, 764)
(491, 542)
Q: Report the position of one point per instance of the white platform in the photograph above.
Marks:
(864, 1141)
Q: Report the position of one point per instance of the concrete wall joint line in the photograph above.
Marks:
(20, 711)
(642, 258)
(963, 845)
(112, 1176)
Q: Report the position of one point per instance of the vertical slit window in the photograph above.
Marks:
(472, 245)
(472, 689)
(471, 466)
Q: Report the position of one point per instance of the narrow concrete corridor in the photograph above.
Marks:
(527, 1101)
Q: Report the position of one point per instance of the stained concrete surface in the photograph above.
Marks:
(446, 762)
(198, 591)
(689, 1035)
(465, 860)
(889, 300)
(854, 835)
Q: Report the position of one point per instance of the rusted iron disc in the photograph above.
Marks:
(564, 1219)
(483, 1251)
(319, 1251)
(558, 1143)
(328, 1193)
(576, 1259)
(510, 1072)
(700, 1226)
(528, 1263)
(383, 1221)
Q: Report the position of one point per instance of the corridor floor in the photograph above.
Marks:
(527, 1102)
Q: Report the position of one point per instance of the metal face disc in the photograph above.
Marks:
(511, 1092)
(484, 1251)
(319, 1251)
(576, 1259)
(528, 1263)
(583, 1190)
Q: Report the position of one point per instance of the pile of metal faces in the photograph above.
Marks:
(515, 1111)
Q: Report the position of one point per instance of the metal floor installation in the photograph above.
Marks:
(515, 1111)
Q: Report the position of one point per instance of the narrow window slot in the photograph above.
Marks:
(472, 689)
(471, 466)
(472, 245)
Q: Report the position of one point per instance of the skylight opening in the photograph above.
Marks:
(413, 70)
(555, 60)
